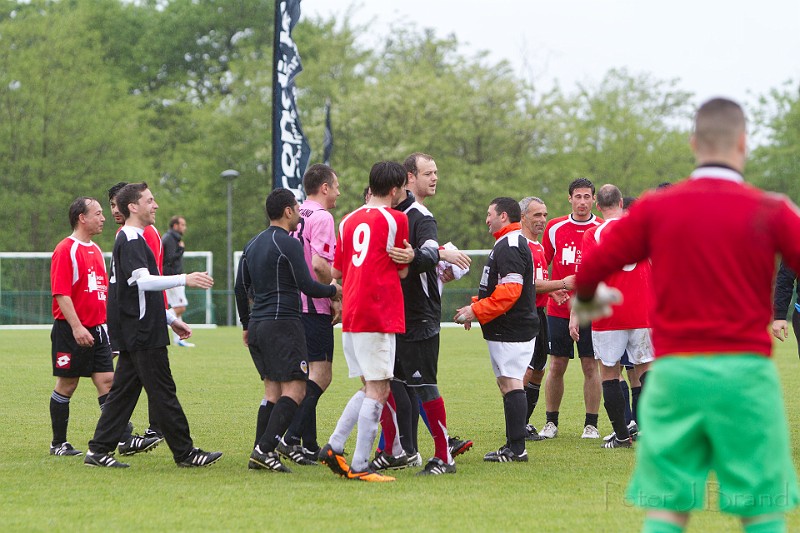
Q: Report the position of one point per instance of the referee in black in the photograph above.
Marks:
(137, 322)
(272, 272)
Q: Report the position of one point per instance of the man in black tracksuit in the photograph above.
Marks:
(417, 354)
(784, 283)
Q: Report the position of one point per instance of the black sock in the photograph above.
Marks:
(264, 410)
(308, 408)
(591, 419)
(413, 399)
(552, 416)
(635, 392)
(309, 434)
(101, 400)
(626, 397)
(532, 395)
(514, 407)
(403, 413)
(59, 417)
(613, 401)
(280, 418)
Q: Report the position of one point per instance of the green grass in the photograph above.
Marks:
(569, 484)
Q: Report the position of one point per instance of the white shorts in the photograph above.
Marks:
(370, 355)
(510, 359)
(176, 296)
(609, 346)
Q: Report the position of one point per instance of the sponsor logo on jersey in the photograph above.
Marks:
(568, 254)
(63, 360)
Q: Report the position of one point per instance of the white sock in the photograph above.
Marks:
(397, 447)
(346, 422)
(368, 419)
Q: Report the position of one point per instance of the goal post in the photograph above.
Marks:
(26, 301)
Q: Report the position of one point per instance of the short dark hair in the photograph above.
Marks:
(112, 192)
(384, 176)
(581, 183)
(129, 194)
(78, 207)
(509, 206)
(277, 201)
(608, 196)
(175, 220)
(627, 202)
(664, 185)
(366, 192)
(410, 164)
(316, 176)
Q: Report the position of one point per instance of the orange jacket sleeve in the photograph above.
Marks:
(501, 300)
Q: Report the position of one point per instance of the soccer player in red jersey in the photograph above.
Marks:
(712, 285)
(627, 330)
(417, 355)
(563, 239)
(534, 219)
(80, 344)
(372, 313)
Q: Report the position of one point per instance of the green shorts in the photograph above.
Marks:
(696, 415)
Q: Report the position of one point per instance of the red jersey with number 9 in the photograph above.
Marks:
(372, 295)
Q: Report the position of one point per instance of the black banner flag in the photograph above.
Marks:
(290, 150)
(327, 142)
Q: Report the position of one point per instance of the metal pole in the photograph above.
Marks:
(228, 255)
(230, 175)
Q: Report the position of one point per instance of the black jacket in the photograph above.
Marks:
(423, 303)
(784, 283)
(173, 253)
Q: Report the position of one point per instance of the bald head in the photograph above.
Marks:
(719, 129)
(609, 201)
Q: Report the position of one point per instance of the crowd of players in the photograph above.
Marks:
(392, 267)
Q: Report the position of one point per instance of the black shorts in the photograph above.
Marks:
(73, 361)
(539, 359)
(417, 362)
(625, 362)
(319, 337)
(562, 345)
(278, 349)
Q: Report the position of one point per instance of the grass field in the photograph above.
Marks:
(569, 484)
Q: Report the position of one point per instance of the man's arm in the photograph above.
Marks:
(240, 290)
(306, 284)
(81, 334)
(321, 268)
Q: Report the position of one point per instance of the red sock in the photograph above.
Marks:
(389, 424)
(437, 418)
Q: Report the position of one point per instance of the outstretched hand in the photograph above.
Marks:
(455, 257)
(201, 280)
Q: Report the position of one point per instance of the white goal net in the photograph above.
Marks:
(26, 302)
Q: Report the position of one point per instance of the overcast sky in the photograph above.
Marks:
(735, 48)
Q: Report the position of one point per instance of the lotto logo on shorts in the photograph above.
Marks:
(304, 367)
(63, 360)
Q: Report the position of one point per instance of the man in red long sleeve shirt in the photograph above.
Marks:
(712, 288)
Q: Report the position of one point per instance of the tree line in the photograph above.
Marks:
(174, 92)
